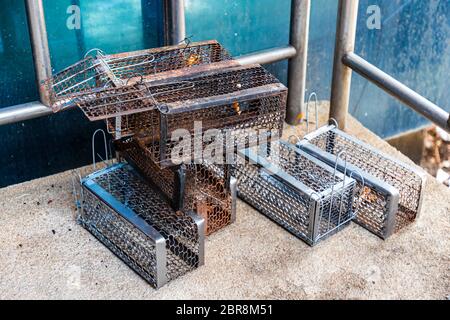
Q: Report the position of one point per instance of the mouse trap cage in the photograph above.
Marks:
(300, 193)
(218, 93)
(131, 219)
(392, 197)
(98, 71)
(236, 102)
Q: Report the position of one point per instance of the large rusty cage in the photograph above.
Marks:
(237, 101)
(98, 71)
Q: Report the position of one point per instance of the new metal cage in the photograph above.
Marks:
(132, 220)
(402, 184)
(302, 194)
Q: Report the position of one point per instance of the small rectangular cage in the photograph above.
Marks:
(407, 181)
(132, 220)
(98, 71)
(302, 194)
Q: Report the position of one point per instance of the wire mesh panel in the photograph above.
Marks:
(129, 217)
(211, 192)
(377, 202)
(303, 195)
(73, 81)
(207, 189)
(238, 101)
(408, 181)
(158, 60)
(95, 73)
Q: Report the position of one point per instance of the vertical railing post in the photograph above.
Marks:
(174, 22)
(300, 14)
(342, 75)
(39, 46)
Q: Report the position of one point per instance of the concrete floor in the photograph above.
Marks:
(44, 254)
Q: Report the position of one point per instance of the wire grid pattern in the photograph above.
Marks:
(111, 102)
(288, 159)
(257, 116)
(208, 193)
(75, 80)
(206, 190)
(103, 71)
(179, 230)
(278, 201)
(117, 234)
(106, 103)
(311, 216)
(156, 61)
(163, 178)
(372, 207)
(218, 83)
(408, 183)
(133, 124)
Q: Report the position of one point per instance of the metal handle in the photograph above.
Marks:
(338, 156)
(311, 96)
(78, 200)
(99, 53)
(333, 122)
(93, 147)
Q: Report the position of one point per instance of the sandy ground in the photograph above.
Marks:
(45, 254)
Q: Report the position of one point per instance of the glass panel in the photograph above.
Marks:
(412, 46)
(17, 84)
(242, 26)
(112, 26)
(322, 33)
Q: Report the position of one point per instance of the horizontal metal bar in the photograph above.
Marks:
(36, 109)
(268, 56)
(398, 90)
(23, 112)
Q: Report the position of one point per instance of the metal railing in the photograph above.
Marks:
(345, 61)
(175, 32)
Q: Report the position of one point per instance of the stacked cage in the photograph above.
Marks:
(146, 98)
(233, 104)
(98, 71)
(184, 91)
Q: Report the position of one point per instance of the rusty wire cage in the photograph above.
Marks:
(402, 183)
(98, 71)
(206, 189)
(170, 181)
(211, 192)
(131, 219)
(237, 101)
(302, 194)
